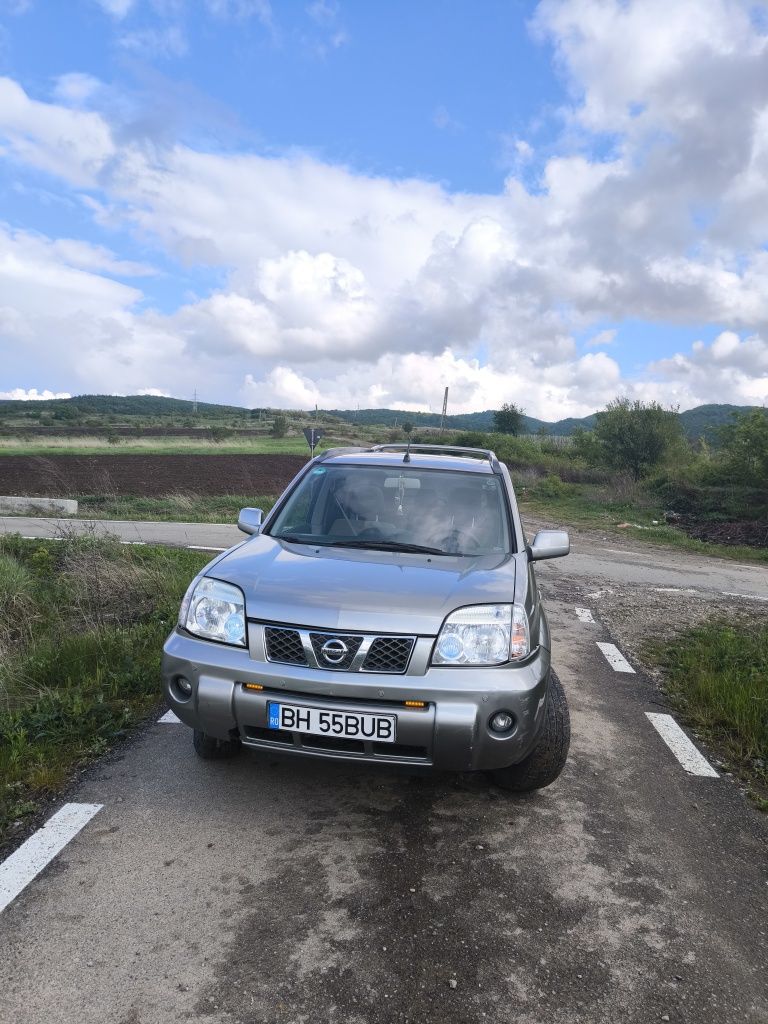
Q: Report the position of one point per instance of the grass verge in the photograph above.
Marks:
(716, 676)
(595, 508)
(191, 508)
(158, 446)
(82, 624)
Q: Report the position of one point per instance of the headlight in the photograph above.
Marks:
(215, 611)
(483, 634)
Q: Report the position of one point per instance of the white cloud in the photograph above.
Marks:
(117, 8)
(32, 395)
(76, 88)
(241, 9)
(376, 290)
(729, 370)
(165, 41)
(601, 338)
(73, 144)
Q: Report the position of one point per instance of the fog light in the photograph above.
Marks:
(502, 721)
(184, 686)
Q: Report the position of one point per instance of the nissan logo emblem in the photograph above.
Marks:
(334, 651)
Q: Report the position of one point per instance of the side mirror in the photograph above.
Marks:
(249, 520)
(549, 544)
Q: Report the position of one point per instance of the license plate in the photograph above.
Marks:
(348, 724)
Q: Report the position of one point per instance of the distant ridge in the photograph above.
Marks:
(699, 422)
(702, 421)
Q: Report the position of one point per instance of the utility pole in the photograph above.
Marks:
(194, 404)
(445, 409)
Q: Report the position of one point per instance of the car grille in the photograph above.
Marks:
(284, 645)
(335, 651)
(340, 652)
(389, 654)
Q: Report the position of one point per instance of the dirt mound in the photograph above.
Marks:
(146, 475)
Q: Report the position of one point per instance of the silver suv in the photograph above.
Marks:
(386, 610)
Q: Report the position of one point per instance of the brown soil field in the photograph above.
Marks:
(146, 475)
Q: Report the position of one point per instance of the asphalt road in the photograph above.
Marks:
(274, 891)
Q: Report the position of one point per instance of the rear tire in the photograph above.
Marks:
(547, 759)
(212, 749)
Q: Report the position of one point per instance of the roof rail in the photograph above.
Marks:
(331, 453)
(446, 449)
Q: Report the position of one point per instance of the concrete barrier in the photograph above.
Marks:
(37, 506)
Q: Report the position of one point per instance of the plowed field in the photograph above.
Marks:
(146, 475)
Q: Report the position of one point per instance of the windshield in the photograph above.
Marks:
(390, 508)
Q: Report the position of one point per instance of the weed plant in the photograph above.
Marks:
(82, 624)
(717, 676)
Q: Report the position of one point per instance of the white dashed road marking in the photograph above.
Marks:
(686, 753)
(134, 543)
(170, 719)
(745, 597)
(31, 857)
(584, 615)
(203, 547)
(615, 658)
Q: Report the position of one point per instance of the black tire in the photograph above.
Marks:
(547, 759)
(212, 749)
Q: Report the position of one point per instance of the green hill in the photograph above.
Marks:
(702, 421)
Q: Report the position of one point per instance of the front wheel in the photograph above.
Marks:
(547, 759)
(212, 749)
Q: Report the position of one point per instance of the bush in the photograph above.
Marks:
(90, 619)
(631, 436)
(219, 434)
(472, 439)
(552, 487)
(279, 426)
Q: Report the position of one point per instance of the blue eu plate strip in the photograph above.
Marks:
(274, 715)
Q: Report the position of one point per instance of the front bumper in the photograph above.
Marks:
(451, 733)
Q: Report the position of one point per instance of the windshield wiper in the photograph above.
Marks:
(294, 538)
(387, 545)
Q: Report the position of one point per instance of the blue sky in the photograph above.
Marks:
(361, 202)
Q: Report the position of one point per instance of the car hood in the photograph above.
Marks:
(362, 590)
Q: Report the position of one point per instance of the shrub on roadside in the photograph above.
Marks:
(87, 667)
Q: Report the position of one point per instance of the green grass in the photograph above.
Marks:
(82, 624)
(717, 677)
(159, 446)
(190, 508)
(591, 507)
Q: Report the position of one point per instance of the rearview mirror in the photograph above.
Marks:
(549, 544)
(249, 520)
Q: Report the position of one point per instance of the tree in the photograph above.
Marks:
(744, 447)
(508, 419)
(631, 436)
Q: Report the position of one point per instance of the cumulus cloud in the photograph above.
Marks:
(32, 395)
(341, 287)
(730, 369)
